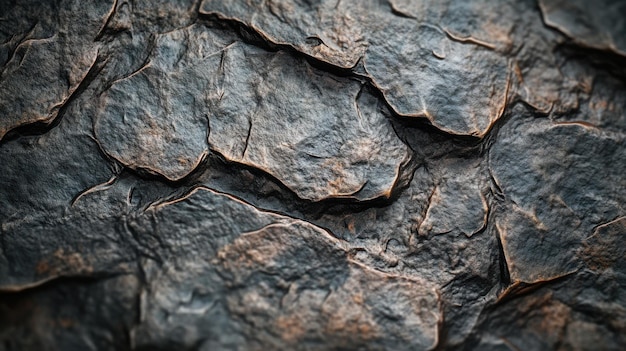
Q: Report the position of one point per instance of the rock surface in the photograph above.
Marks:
(312, 175)
(422, 70)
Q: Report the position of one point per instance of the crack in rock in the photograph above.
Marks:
(418, 68)
(50, 65)
(308, 135)
(270, 279)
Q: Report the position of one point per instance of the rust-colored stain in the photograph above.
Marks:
(290, 327)
(62, 262)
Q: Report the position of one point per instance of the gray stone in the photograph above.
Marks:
(206, 84)
(234, 277)
(600, 25)
(549, 175)
(312, 175)
(46, 59)
(419, 67)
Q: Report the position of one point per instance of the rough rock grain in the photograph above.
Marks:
(269, 280)
(312, 175)
(421, 70)
(46, 59)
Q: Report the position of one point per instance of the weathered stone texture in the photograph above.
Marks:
(313, 175)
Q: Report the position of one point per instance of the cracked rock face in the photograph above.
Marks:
(423, 70)
(312, 175)
(45, 59)
(269, 281)
(600, 25)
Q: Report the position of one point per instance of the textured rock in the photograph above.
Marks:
(584, 312)
(77, 315)
(418, 66)
(312, 175)
(45, 59)
(269, 280)
(549, 189)
(335, 139)
(334, 144)
(166, 94)
(600, 25)
(458, 203)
